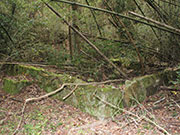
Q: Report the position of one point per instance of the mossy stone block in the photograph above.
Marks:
(141, 87)
(13, 86)
(84, 99)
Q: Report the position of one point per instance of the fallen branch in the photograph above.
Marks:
(93, 14)
(130, 113)
(169, 2)
(69, 94)
(7, 33)
(169, 89)
(3, 120)
(69, 84)
(21, 119)
(88, 55)
(159, 101)
(130, 39)
(176, 103)
(56, 91)
(24, 63)
(115, 107)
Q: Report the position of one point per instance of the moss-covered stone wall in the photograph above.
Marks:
(141, 87)
(83, 97)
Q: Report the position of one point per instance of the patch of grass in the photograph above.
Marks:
(59, 124)
(140, 132)
(35, 129)
(54, 127)
(147, 126)
(81, 132)
(37, 115)
(8, 127)
(31, 129)
(174, 114)
(37, 122)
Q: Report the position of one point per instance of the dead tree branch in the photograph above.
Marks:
(117, 14)
(140, 9)
(69, 94)
(155, 22)
(169, 89)
(21, 119)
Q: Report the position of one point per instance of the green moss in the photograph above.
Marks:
(13, 86)
(16, 69)
(29, 70)
(141, 87)
(134, 90)
(84, 99)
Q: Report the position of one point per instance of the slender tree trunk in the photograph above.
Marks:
(70, 44)
(75, 38)
(93, 14)
(70, 38)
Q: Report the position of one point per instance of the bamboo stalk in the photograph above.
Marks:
(95, 20)
(117, 14)
(155, 22)
(130, 39)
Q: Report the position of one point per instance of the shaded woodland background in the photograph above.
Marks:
(31, 33)
(117, 40)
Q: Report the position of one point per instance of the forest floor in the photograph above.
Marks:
(52, 117)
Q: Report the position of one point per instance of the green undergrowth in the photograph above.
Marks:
(36, 123)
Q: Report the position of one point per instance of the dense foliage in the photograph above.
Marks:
(30, 32)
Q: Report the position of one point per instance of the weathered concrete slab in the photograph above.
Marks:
(141, 87)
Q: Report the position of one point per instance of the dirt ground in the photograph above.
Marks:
(52, 117)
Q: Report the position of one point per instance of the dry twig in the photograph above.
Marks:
(169, 89)
(176, 103)
(69, 94)
(21, 119)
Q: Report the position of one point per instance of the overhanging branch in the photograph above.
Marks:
(155, 22)
(117, 14)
